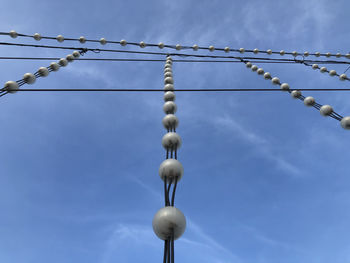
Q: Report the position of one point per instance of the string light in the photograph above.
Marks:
(169, 222)
(325, 110)
(30, 78)
(195, 47)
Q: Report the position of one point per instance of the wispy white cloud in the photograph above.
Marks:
(261, 144)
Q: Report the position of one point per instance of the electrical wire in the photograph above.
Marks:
(178, 90)
(175, 60)
(243, 58)
(103, 41)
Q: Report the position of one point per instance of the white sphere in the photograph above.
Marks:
(70, 58)
(347, 55)
(328, 54)
(142, 44)
(345, 122)
(168, 80)
(171, 168)
(314, 66)
(295, 94)
(161, 45)
(275, 81)
(11, 86)
(260, 71)
(332, 73)
(82, 39)
(326, 110)
(227, 49)
(343, 77)
(123, 42)
(306, 54)
(338, 55)
(168, 87)
(13, 34)
(178, 47)
(168, 74)
(267, 75)
(269, 51)
(103, 41)
(249, 64)
(63, 62)
(294, 53)
(169, 96)
(169, 58)
(76, 54)
(169, 221)
(241, 50)
(60, 38)
(37, 36)
(167, 66)
(317, 54)
(309, 101)
(211, 48)
(254, 68)
(29, 78)
(195, 47)
(285, 86)
(43, 72)
(171, 140)
(282, 52)
(170, 121)
(323, 69)
(168, 70)
(169, 107)
(255, 51)
(54, 66)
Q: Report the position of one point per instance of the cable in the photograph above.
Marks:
(95, 50)
(161, 45)
(325, 110)
(177, 90)
(175, 60)
(29, 78)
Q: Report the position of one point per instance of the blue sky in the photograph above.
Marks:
(266, 179)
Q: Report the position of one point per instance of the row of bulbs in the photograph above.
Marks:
(331, 73)
(325, 110)
(211, 48)
(169, 222)
(30, 78)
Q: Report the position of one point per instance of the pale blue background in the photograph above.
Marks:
(266, 178)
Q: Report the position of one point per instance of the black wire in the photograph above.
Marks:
(172, 248)
(165, 251)
(179, 90)
(174, 190)
(168, 191)
(165, 46)
(166, 195)
(98, 50)
(162, 60)
(168, 250)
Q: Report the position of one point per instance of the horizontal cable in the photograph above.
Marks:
(161, 45)
(173, 54)
(174, 60)
(188, 90)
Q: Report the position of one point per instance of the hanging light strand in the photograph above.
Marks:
(30, 78)
(325, 110)
(161, 45)
(169, 222)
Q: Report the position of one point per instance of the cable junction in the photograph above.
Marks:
(161, 45)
